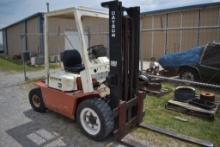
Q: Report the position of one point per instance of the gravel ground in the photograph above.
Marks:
(13, 79)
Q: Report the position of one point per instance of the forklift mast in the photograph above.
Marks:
(124, 31)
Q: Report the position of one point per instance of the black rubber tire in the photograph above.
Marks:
(37, 92)
(184, 93)
(190, 70)
(104, 113)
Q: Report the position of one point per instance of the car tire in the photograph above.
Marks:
(95, 118)
(184, 93)
(36, 100)
(189, 74)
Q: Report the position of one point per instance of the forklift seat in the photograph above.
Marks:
(72, 61)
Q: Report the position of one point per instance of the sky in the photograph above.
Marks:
(15, 10)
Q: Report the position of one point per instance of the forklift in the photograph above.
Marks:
(75, 92)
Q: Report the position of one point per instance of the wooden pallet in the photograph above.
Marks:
(191, 109)
(157, 93)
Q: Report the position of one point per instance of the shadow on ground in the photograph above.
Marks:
(50, 129)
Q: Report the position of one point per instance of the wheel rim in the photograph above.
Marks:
(90, 121)
(188, 76)
(36, 101)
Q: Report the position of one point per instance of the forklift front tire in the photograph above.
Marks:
(36, 100)
(95, 118)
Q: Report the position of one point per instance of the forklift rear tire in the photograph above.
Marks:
(36, 100)
(95, 118)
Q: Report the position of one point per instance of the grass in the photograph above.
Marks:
(10, 65)
(157, 115)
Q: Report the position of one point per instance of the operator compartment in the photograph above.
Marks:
(81, 47)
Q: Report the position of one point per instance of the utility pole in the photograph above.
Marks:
(48, 6)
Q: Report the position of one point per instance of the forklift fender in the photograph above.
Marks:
(65, 103)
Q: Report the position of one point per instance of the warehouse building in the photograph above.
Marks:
(162, 31)
(27, 34)
(15, 41)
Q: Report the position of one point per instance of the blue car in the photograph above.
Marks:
(197, 64)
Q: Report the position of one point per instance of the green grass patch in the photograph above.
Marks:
(15, 66)
(156, 114)
(11, 65)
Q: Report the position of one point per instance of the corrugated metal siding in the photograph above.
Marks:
(173, 41)
(208, 35)
(146, 44)
(4, 41)
(147, 22)
(153, 42)
(146, 37)
(15, 43)
(173, 36)
(159, 21)
(189, 37)
(33, 37)
(209, 17)
(97, 29)
(158, 43)
(174, 20)
(190, 18)
(57, 27)
(183, 32)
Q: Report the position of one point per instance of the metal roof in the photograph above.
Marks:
(169, 10)
(23, 20)
(71, 10)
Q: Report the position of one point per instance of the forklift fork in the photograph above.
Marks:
(125, 125)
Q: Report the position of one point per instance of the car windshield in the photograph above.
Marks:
(211, 56)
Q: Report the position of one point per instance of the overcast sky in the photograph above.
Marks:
(14, 10)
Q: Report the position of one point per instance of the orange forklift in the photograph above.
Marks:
(100, 92)
(75, 92)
